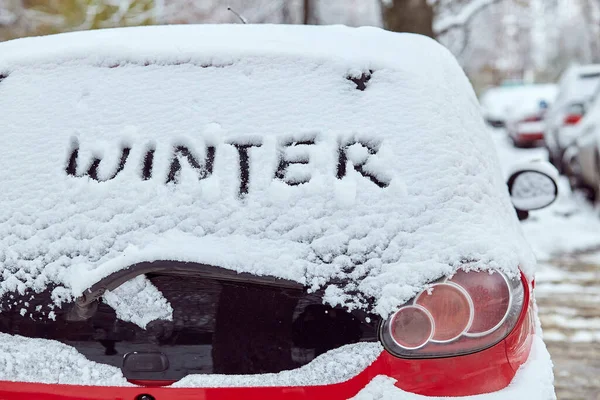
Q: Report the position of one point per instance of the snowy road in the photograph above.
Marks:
(566, 239)
(568, 297)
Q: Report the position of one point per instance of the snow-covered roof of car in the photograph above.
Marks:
(529, 100)
(515, 101)
(206, 135)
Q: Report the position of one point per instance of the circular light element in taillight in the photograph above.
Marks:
(491, 297)
(451, 309)
(411, 327)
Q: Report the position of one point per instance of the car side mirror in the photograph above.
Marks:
(532, 188)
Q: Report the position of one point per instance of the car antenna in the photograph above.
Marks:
(244, 20)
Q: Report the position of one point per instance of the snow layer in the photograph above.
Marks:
(139, 301)
(579, 84)
(533, 381)
(516, 102)
(441, 201)
(529, 97)
(47, 361)
(335, 366)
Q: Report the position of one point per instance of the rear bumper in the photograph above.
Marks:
(529, 138)
(487, 371)
(533, 381)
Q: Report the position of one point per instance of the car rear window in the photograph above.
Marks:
(216, 326)
(590, 76)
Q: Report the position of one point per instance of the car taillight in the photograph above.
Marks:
(468, 312)
(412, 327)
(451, 309)
(534, 118)
(572, 119)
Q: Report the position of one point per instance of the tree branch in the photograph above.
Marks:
(463, 18)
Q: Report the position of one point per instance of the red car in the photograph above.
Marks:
(258, 212)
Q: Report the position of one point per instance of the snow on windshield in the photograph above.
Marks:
(357, 162)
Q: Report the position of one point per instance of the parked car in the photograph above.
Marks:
(497, 102)
(582, 158)
(525, 120)
(273, 212)
(576, 87)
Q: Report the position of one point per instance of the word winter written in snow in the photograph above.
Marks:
(204, 168)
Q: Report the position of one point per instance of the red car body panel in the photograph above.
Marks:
(483, 372)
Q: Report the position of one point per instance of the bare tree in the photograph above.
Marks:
(590, 10)
(414, 16)
(463, 18)
(433, 18)
(307, 12)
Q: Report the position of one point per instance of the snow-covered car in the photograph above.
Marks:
(273, 212)
(502, 104)
(582, 159)
(525, 120)
(575, 90)
(496, 104)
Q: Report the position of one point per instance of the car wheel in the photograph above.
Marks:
(516, 143)
(559, 162)
(551, 157)
(590, 193)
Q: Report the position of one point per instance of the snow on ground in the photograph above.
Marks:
(569, 308)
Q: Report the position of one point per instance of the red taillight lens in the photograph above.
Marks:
(491, 298)
(534, 118)
(463, 314)
(573, 119)
(451, 308)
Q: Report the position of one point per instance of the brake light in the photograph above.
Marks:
(468, 312)
(573, 119)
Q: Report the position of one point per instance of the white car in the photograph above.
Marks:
(576, 87)
(267, 212)
(525, 119)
